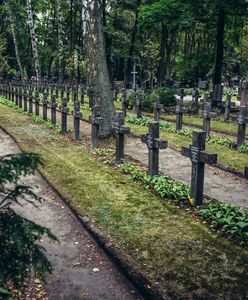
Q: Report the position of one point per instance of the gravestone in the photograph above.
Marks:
(45, 103)
(246, 172)
(241, 120)
(20, 98)
(16, 96)
(199, 157)
(37, 103)
(125, 103)
(95, 120)
(30, 101)
(228, 104)
(138, 106)
(13, 94)
(25, 100)
(77, 115)
(82, 95)
(217, 95)
(207, 114)
(75, 93)
(179, 114)
(182, 94)
(120, 130)
(154, 143)
(157, 107)
(194, 108)
(53, 106)
(64, 111)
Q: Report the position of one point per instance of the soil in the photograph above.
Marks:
(81, 269)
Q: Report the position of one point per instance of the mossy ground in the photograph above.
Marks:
(178, 253)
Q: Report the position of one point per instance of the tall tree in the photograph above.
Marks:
(59, 19)
(33, 40)
(13, 30)
(96, 62)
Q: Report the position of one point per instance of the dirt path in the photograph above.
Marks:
(81, 269)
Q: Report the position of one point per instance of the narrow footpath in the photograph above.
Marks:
(81, 269)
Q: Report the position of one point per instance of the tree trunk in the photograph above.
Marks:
(12, 25)
(219, 46)
(33, 41)
(96, 62)
(217, 92)
(129, 63)
(161, 67)
(60, 40)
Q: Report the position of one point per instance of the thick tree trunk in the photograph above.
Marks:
(60, 40)
(33, 41)
(97, 70)
(12, 25)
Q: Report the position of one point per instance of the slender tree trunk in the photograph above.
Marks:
(129, 63)
(12, 25)
(60, 40)
(33, 41)
(161, 67)
(97, 70)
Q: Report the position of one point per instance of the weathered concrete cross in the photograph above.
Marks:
(154, 143)
(207, 114)
(179, 114)
(45, 103)
(30, 101)
(241, 120)
(95, 120)
(157, 107)
(37, 103)
(20, 97)
(25, 100)
(138, 106)
(53, 106)
(125, 103)
(195, 102)
(64, 111)
(77, 116)
(120, 130)
(134, 73)
(199, 157)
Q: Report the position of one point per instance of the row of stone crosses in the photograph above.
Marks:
(196, 152)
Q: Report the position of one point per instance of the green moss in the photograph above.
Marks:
(174, 250)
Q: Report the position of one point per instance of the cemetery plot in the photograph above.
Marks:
(140, 224)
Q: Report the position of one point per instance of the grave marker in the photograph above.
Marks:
(25, 100)
(95, 120)
(151, 139)
(125, 103)
(241, 120)
(53, 106)
(64, 111)
(157, 107)
(120, 130)
(37, 103)
(77, 115)
(199, 157)
(138, 106)
(20, 98)
(195, 102)
(45, 103)
(179, 114)
(30, 101)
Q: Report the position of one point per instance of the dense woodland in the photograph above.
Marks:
(166, 39)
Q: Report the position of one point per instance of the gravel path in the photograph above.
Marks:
(81, 269)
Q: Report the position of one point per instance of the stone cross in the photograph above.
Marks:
(77, 115)
(53, 106)
(64, 111)
(13, 94)
(25, 100)
(62, 91)
(241, 120)
(179, 114)
(20, 98)
(195, 102)
(246, 172)
(16, 96)
(120, 130)
(151, 139)
(228, 104)
(95, 120)
(207, 114)
(157, 107)
(125, 103)
(30, 101)
(134, 73)
(138, 106)
(199, 157)
(37, 103)
(75, 93)
(45, 103)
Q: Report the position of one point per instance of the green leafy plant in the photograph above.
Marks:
(243, 148)
(227, 218)
(20, 253)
